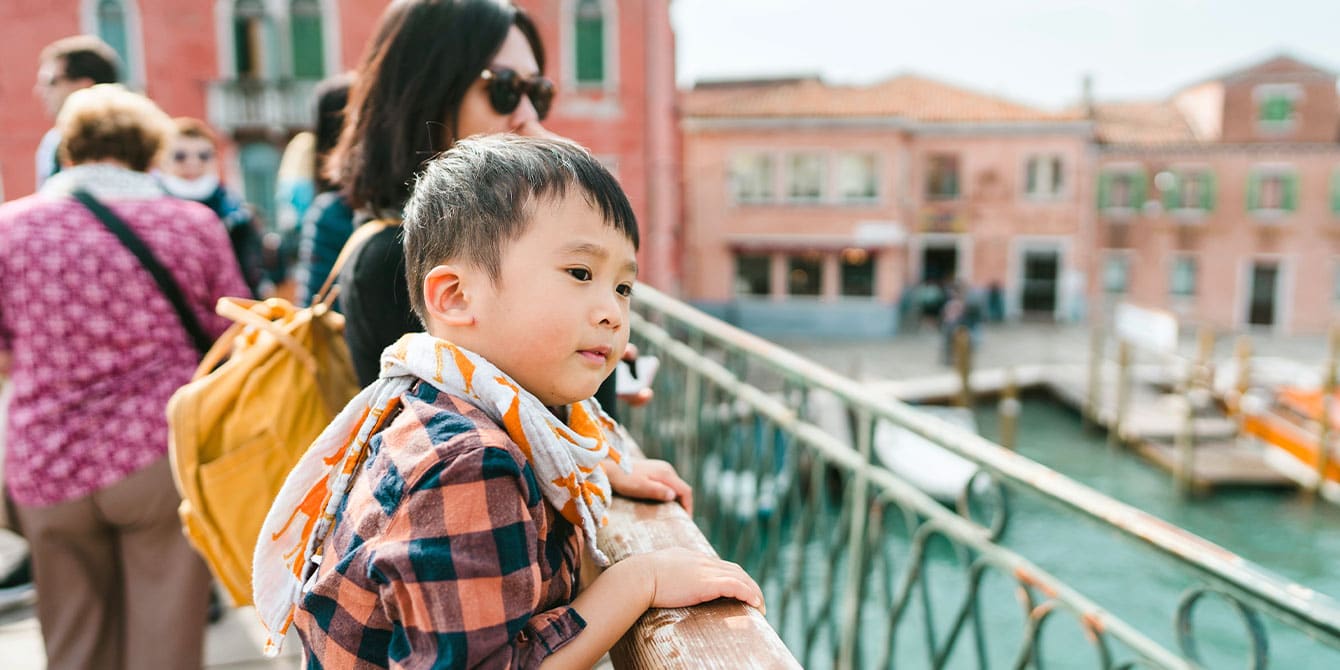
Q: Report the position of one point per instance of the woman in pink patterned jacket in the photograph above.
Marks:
(93, 350)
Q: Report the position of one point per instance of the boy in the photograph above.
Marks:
(458, 543)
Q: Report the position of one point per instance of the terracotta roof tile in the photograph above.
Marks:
(1143, 122)
(907, 96)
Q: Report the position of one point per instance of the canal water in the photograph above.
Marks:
(1285, 532)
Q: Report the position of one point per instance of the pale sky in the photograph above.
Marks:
(1032, 51)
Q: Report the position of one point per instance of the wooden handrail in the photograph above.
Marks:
(720, 634)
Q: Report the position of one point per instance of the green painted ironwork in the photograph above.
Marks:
(863, 570)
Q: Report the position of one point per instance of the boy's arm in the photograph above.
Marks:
(463, 582)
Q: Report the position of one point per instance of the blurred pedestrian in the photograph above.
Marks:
(329, 221)
(294, 190)
(65, 66)
(96, 349)
(189, 169)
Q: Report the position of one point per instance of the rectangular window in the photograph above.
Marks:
(857, 178)
(753, 274)
(858, 272)
(1335, 283)
(1277, 106)
(942, 177)
(1043, 177)
(804, 178)
(752, 178)
(1183, 280)
(1121, 188)
(589, 32)
(1116, 273)
(1272, 190)
(1190, 190)
(804, 274)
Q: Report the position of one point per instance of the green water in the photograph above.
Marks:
(1282, 531)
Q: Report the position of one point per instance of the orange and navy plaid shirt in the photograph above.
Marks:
(444, 554)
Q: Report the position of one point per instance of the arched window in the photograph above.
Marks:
(260, 168)
(307, 40)
(112, 28)
(249, 38)
(589, 31)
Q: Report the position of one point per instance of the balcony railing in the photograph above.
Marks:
(861, 569)
(254, 104)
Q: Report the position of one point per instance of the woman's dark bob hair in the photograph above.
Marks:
(423, 58)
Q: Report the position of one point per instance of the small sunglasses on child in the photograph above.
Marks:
(181, 156)
(506, 87)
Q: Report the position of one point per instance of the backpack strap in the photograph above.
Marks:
(361, 234)
(161, 276)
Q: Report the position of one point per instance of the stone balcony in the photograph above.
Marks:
(259, 104)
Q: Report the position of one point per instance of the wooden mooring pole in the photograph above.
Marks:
(963, 363)
(1243, 353)
(1009, 410)
(1093, 403)
(1185, 443)
(1327, 409)
(1118, 425)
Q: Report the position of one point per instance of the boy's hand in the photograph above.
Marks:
(683, 577)
(643, 396)
(651, 479)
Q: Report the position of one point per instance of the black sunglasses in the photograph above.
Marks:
(181, 156)
(506, 88)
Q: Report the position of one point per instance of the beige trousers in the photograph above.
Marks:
(118, 587)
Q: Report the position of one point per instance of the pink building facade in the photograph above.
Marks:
(249, 67)
(816, 209)
(1222, 204)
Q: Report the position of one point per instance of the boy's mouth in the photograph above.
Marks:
(595, 354)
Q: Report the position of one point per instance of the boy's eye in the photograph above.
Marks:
(580, 274)
(625, 290)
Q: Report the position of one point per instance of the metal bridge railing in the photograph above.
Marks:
(861, 569)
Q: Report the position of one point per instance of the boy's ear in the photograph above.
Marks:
(446, 296)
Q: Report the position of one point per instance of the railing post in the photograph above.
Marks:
(1327, 406)
(1184, 467)
(855, 543)
(1115, 430)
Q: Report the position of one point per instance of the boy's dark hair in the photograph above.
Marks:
(85, 56)
(471, 201)
(423, 58)
(332, 95)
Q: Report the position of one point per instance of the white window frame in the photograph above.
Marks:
(773, 180)
(281, 62)
(1262, 92)
(1046, 196)
(132, 72)
(839, 160)
(567, 15)
(1263, 170)
(824, 178)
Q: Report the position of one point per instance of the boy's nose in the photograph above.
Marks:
(609, 312)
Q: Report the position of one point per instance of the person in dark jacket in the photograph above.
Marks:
(189, 170)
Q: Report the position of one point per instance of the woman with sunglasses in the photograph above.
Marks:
(189, 169)
(435, 71)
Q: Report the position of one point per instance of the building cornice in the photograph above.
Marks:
(1206, 148)
(709, 124)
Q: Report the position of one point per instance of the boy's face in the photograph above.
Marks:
(556, 319)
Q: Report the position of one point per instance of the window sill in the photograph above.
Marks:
(1121, 214)
(1270, 216)
(1044, 198)
(1189, 216)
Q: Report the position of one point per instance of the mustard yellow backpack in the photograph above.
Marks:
(265, 390)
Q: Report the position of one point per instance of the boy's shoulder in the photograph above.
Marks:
(436, 430)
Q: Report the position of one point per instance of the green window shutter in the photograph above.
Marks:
(1253, 191)
(590, 38)
(1335, 192)
(1031, 176)
(112, 30)
(307, 40)
(1290, 195)
(1138, 189)
(1207, 191)
(1172, 197)
(1104, 186)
